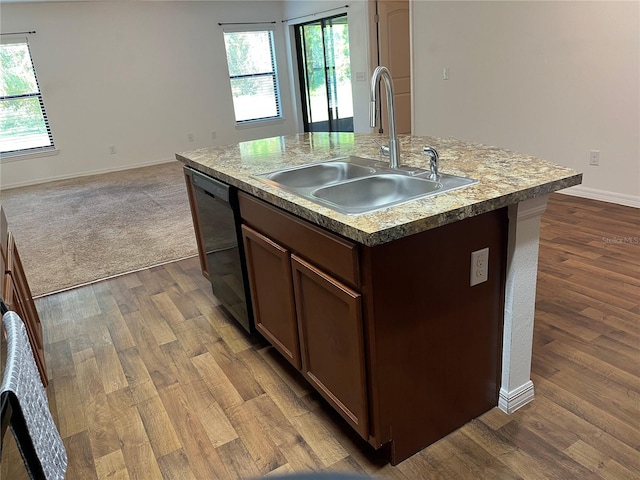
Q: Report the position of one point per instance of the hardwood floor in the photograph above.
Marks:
(149, 379)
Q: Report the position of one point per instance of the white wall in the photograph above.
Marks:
(552, 79)
(136, 75)
(359, 41)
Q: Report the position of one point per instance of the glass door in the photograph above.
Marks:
(324, 70)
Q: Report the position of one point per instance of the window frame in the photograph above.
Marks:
(257, 121)
(51, 149)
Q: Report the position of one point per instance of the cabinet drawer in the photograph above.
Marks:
(331, 252)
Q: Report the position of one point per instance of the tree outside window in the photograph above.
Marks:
(23, 122)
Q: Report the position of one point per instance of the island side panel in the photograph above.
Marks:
(435, 342)
(520, 302)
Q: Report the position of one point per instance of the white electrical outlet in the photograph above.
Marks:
(214, 135)
(594, 158)
(479, 266)
(112, 149)
(190, 137)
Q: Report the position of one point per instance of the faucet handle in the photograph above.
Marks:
(384, 149)
(432, 153)
(429, 150)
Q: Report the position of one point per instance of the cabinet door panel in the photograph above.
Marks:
(331, 339)
(17, 295)
(269, 269)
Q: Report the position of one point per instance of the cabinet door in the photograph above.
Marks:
(269, 269)
(17, 295)
(332, 343)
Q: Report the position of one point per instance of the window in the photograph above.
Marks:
(252, 71)
(24, 127)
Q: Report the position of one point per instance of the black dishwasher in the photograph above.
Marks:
(216, 204)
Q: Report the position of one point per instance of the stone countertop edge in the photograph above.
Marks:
(230, 166)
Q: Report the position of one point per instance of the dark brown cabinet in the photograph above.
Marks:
(331, 340)
(269, 269)
(313, 318)
(17, 296)
(393, 336)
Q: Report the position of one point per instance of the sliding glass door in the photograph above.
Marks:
(325, 74)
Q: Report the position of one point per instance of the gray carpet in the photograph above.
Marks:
(72, 232)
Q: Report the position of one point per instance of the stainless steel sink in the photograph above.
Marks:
(355, 185)
(319, 174)
(378, 191)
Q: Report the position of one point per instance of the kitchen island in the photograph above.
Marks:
(377, 310)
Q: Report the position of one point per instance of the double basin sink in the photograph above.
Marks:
(355, 185)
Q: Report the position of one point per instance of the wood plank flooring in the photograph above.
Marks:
(150, 379)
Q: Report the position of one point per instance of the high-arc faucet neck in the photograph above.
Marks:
(383, 73)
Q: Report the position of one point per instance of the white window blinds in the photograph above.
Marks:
(253, 75)
(24, 126)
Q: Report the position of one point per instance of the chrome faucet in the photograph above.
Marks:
(394, 148)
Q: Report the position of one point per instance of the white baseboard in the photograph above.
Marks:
(86, 174)
(511, 401)
(603, 195)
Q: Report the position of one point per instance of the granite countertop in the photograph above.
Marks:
(505, 178)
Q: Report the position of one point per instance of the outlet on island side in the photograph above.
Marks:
(479, 266)
(594, 158)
